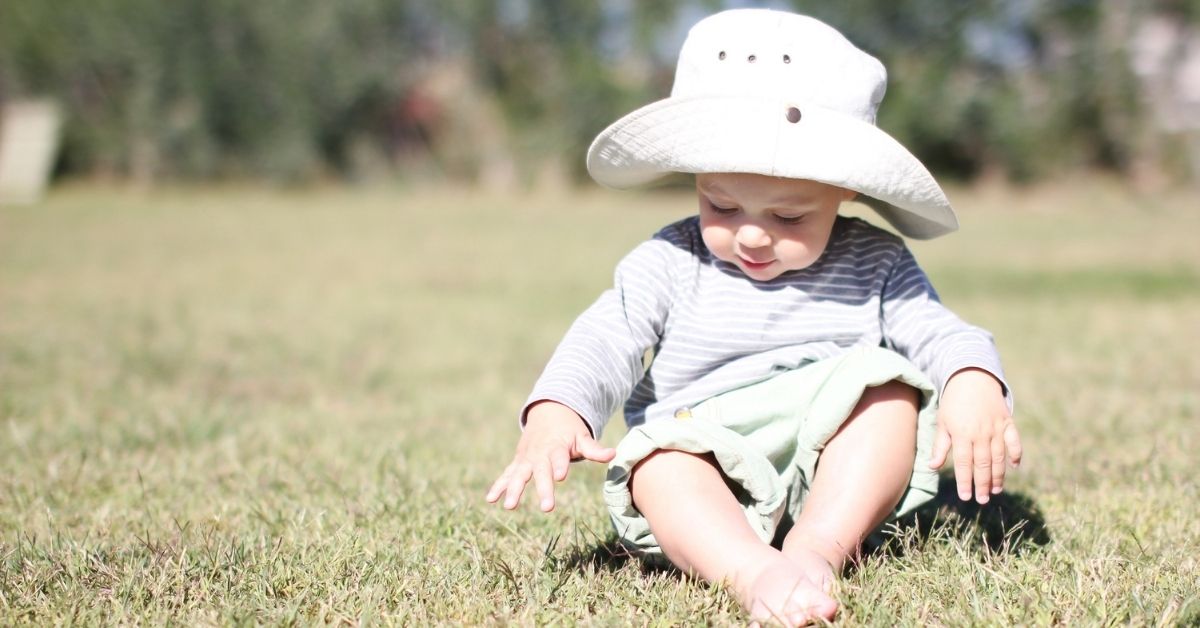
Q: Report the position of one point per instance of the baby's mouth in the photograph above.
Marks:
(756, 265)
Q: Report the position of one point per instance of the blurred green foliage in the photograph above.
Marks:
(296, 89)
(206, 87)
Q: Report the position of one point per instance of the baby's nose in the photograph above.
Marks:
(753, 236)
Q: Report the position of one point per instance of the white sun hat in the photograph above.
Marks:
(777, 94)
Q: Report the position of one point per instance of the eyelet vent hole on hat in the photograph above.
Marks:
(787, 58)
(721, 55)
(751, 58)
(793, 115)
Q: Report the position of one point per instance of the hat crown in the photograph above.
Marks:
(792, 58)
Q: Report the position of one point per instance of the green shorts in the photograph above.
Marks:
(766, 438)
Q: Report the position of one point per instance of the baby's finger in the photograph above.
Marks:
(497, 488)
(560, 462)
(594, 451)
(997, 465)
(962, 470)
(1012, 440)
(516, 484)
(545, 485)
(983, 471)
(941, 447)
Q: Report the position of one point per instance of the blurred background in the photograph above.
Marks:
(506, 94)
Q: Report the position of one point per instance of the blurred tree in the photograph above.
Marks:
(546, 60)
(295, 89)
(208, 87)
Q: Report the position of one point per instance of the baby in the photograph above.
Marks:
(806, 383)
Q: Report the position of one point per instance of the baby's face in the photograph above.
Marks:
(767, 225)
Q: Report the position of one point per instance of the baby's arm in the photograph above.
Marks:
(592, 371)
(973, 415)
(554, 436)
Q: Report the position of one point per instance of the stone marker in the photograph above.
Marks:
(28, 146)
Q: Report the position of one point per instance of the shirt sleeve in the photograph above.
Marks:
(916, 324)
(599, 361)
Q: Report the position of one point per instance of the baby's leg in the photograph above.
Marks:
(861, 475)
(701, 528)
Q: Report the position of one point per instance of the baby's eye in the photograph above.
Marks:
(790, 220)
(723, 211)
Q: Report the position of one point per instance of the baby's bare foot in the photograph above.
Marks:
(783, 592)
(814, 565)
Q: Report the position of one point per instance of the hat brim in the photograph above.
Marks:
(711, 134)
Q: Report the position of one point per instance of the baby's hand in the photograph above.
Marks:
(974, 417)
(554, 436)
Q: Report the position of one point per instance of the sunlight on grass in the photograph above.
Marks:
(251, 405)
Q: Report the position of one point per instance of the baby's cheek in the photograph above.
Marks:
(719, 240)
(814, 246)
(795, 255)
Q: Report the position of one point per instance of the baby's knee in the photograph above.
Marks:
(893, 404)
(666, 466)
(894, 391)
(667, 473)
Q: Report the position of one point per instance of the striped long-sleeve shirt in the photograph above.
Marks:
(712, 329)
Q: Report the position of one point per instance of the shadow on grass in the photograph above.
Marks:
(1010, 523)
(608, 554)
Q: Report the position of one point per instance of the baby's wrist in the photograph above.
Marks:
(976, 376)
(550, 413)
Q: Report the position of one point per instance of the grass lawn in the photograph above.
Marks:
(243, 405)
